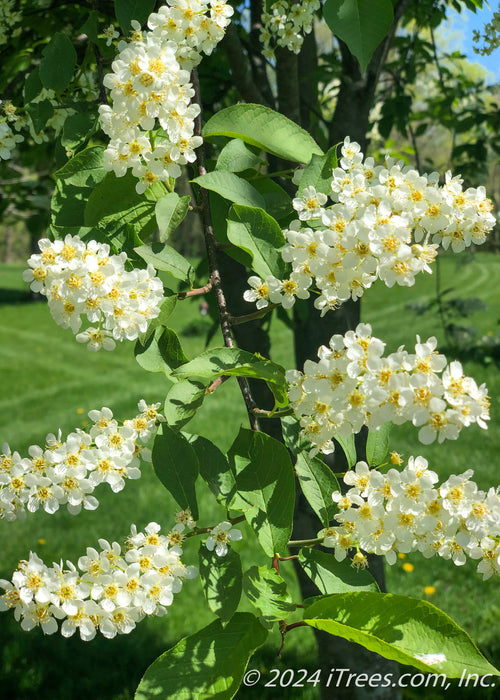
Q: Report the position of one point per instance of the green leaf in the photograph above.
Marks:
(164, 257)
(208, 664)
(264, 128)
(58, 63)
(162, 352)
(114, 204)
(377, 445)
(40, 113)
(332, 576)
(236, 157)
(215, 470)
(170, 212)
(91, 26)
(74, 184)
(317, 483)
(267, 591)
(85, 169)
(291, 430)
(349, 448)
(400, 628)
(176, 465)
(240, 363)
(77, 129)
(32, 85)
(260, 236)
(127, 10)
(182, 402)
(361, 24)
(265, 487)
(222, 581)
(167, 306)
(231, 187)
(278, 202)
(319, 171)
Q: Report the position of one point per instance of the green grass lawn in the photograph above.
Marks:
(50, 381)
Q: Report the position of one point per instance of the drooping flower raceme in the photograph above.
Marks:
(386, 222)
(407, 511)
(151, 120)
(81, 279)
(353, 385)
(285, 24)
(110, 590)
(68, 471)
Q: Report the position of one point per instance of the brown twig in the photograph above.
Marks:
(196, 292)
(210, 244)
(103, 98)
(214, 385)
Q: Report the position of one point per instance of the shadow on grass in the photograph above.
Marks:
(19, 296)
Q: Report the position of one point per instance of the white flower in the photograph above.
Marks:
(219, 537)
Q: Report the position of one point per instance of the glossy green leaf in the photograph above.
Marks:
(162, 352)
(278, 202)
(236, 157)
(231, 187)
(163, 257)
(170, 212)
(264, 128)
(208, 664)
(127, 10)
(176, 465)
(40, 113)
(318, 172)
(167, 306)
(397, 627)
(349, 447)
(32, 85)
(215, 469)
(332, 576)
(58, 63)
(265, 488)
(77, 130)
(233, 361)
(221, 578)
(267, 591)
(317, 483)
(182, 402)
(377, 445)
(74, 184)
(361, 24)
(260, 237)
(114, 203)
(291, 430)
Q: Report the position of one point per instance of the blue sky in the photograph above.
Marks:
(459, 30)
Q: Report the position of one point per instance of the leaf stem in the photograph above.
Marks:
(237, 320)
(305, 543)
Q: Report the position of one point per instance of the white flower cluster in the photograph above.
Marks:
(82, 279)
(406, 511)
(354, 385)
(8, 140)
(386, 222)
(220, 536)
(9, 17)
(151, 90)
(285, 24)
(110, 591)
(490, 36)
(68, 471)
